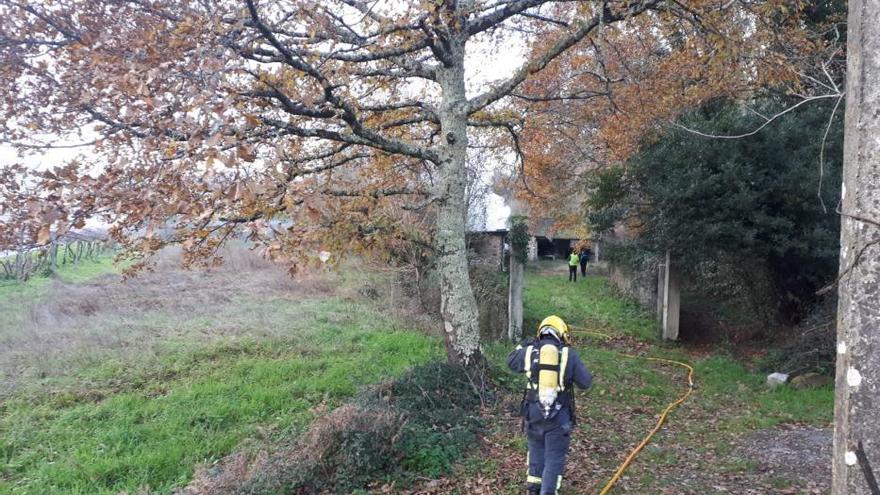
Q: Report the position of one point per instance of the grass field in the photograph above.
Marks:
(127, 388)
(132, 385)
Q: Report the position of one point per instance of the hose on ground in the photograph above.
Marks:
(669, 408)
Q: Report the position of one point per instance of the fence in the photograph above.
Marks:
(25, 262)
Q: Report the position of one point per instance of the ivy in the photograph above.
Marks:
(519, 237)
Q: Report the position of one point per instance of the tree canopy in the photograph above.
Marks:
(624, 87)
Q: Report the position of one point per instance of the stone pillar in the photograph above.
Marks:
(661, 290)
(514, 299)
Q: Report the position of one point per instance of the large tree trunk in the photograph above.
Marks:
(458, 305)
(856, 463)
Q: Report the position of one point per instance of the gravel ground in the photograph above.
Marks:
(793, 451)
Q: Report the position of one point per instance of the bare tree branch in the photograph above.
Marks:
(584, 28)
(765, 124)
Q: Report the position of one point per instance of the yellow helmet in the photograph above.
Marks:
(557, 324)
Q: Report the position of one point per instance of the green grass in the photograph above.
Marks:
(726, 383)
(116, 426)
(85, 270)
(589, 302)
(144, 420)
(720, 377)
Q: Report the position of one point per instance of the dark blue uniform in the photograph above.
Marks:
(549, 438)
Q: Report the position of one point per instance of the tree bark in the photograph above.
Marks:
(458, 305)
(856, 459)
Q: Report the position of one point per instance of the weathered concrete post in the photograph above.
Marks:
(668, 300)
(519, 244)
(856, 461)
(661, 288)
(514, 297)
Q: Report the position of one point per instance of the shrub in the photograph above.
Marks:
(750, 201)
(340, 452)
(813, 347)
(416, 425)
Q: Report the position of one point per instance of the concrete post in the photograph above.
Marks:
(533, 248)
(661, 290)
(856, 460)
(669, 300)
(514, 296)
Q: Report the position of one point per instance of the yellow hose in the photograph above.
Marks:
(632, 455)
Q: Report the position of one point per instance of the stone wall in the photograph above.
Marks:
(489, 249)
(641, 287)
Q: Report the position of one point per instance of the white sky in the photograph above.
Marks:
(487, 63)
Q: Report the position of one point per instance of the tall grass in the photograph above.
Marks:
(114, 387)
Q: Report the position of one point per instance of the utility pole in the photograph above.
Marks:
(856, 459)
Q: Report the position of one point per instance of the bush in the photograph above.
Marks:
(750, 201)
(813, 348)
(417, 425)
(339, 452)
(441, 407)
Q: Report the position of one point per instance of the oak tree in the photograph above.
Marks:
(624, 88)
(306, 125)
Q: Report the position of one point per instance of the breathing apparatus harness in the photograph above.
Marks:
(545, 364)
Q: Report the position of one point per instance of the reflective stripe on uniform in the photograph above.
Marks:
(563, 364)
(535, 480)
(558, 483)
(528, 363)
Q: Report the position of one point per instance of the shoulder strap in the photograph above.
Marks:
(528, 365)
(563, 364)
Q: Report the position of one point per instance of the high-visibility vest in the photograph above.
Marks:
(573, 260)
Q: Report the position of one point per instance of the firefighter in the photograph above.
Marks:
(552, 367)
(584, 257)
(573, 260)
